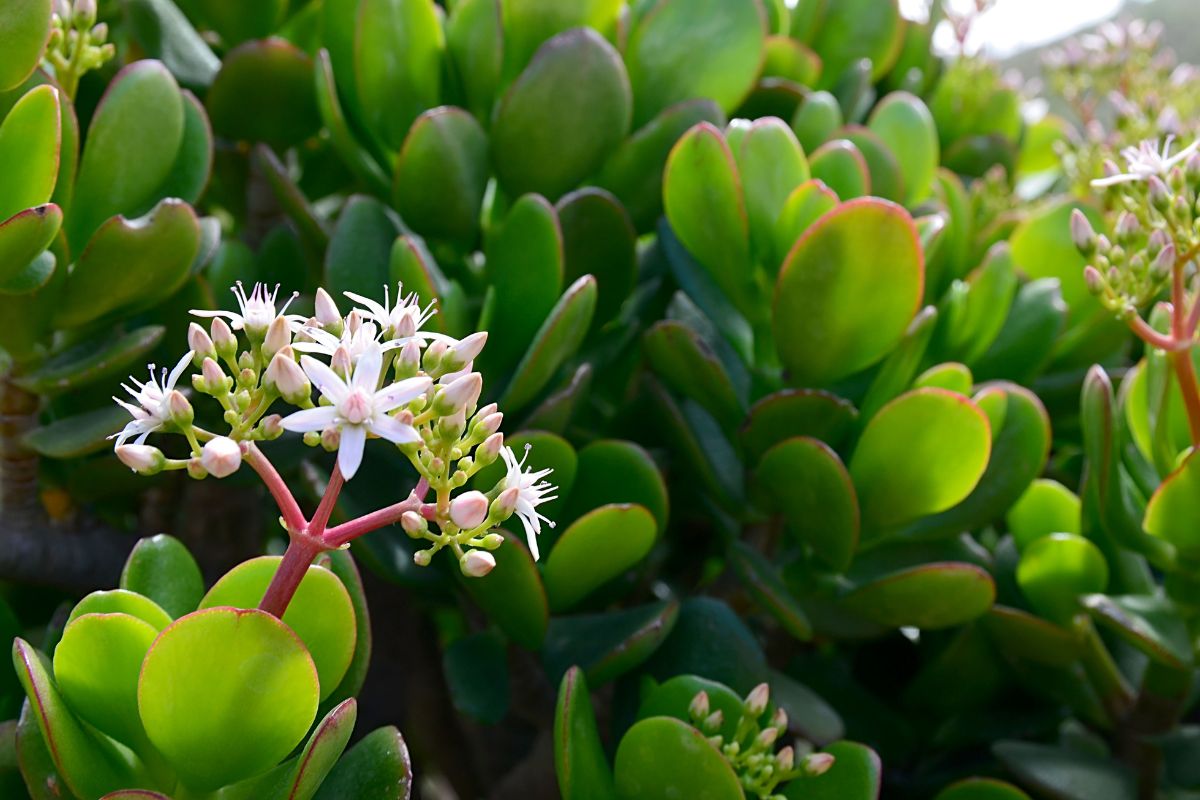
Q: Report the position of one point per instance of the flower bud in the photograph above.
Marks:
(98, 34)
(221, 456)
(785, 759)
(714, 721)
(279, 336)
(223, 338)
(489, 424)
(469, 510)
(1082, 233)
(285, 376)
(1161, 266)
(431, 362)
(476, 563)
(1160, 195)
(492, 541)
(408, 362)
(779, 720)
(200, 344)
(196, 470)
(328, 316)
(341, 363)
(141, 458)
(816, 764)
(331, 438)
(459, 394)
(756, 701)
(83, 15)
(1094, 280)
(422, 558)
(405, 324)
(505, 504)
(271, 426)
(489, 451)
(766, 737)
(698, 708)
(180, 409)
(413, 523)
(1127, 227)
(465, 351)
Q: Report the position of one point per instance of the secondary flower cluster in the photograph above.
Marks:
(751, 748)
(378, 375)
(1156, 229)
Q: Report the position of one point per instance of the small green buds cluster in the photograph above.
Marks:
(77, 43)
(751, 749)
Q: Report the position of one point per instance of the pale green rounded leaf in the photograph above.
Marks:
(24, 28)
(905, 125)
(597, 548)
(30, 137)
(831, 323)
(662, 758)
(441, 174)
(225, 694)
(1056, 569)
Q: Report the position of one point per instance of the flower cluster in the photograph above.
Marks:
(751, 748)
(377, 375)
(1157, 227)
(77, 44)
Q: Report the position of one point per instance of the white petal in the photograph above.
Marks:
(173, 378)
(377, 310)
(350, 451)
(531, 538)
(1113, 180)
(314, 347)
(399, 393)
(328, 382)
(310, 419)
(366, 371)
(235, 319)
(142, 427)
(394, 430)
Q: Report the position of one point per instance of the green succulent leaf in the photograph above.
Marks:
(1174, 506)
(164, 32)
(264, 93)
(672, 698)
(856, 774)
(662, 757)
(377, 767)
(796, 412)
(711, 641)
(237, 22)
(333, 116)
(858, 29)
(512, 594)
(24, 237)
(772, 165)
(762, 580)
(932, 596)
(599, 240)
(565, 114)
(476, 670)
(841, 166)
(441, 175)
(595, 549)
(1045, 507)
(132, 145)
(640, 482)
(30, 141)
(475, 40)
(884, 175)
(360, 248)
(77, 435)
(922, 453)
(1023, 636)
(829, 324)
(161, 569)
(607, 645)
(226, 693)
(91, 362)
(816, 120)
(24, 28)
(1068, 774)
(1056, 570)
(398, 47)
(681, 50)
(685, 363)
(906, 126)
(1152, 624)
(579, 760)
(131, 262)
(320, 613)
(123, 602)
(981, 789)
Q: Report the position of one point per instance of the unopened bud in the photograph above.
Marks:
(408, 363)
(180, 409)
(489, 451)
(1160, 195)
(221, 456)
(141, 458)
(779, 720)
(422, 558)
(200, 343)
(492, 541)
(405, 325)
(816, 764)
(1161, 266)
(465, 351)
(83, 15)
(287, 378)
(223, 338)
(271, 426)
(99, 33)
(1082, 233)
(476, 563)
(1094, 280)
(460, 394)
(341, 363)
(714, 721)
(328, 316)
(756, 701)
(469, 510)
(1127, 227)
(279, 336)
(196, 470)
(506, 503)
(785, 759)
(413, 523)
(330, 439)
(698, 708)
(431, 361)
(767, 737)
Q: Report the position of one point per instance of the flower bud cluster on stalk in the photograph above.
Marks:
(77, 44)
(751, 748)
(341, 381)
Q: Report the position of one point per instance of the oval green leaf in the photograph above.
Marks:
(597, 548)
(661, 758)
(441, 174)
(30, 137)
(579, 760)
(264, 93)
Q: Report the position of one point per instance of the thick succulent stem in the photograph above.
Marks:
(1181, 360)
(299, 555)
(18, 464)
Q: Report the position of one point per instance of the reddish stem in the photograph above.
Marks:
(348, 531)
(1181, 359)
(299, 555)
(1151, 336)
(293, 517)
(320, 519)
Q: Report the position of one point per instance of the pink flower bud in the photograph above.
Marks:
(1082, 233)
(506, 503)
(272, 426)
(214, 377)
(179, 408)
(460, 394)
(698, 708)
(413, 523)
(817, 764)
(490, 424)
(469, 510)
(756, 701)
(785, 759)
(408, 363)
(141, 458)
(489, 451)
(286, 376)
(221, 456)
(422, 558)
(223, 338)
(767, 737)
(327, 312)
(200, 343)
(279, 336)
(468, 348)
(341, 363)
(477, 563)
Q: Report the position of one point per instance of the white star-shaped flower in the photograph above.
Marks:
(358, 407)
(356, 342)
(257, 310)
(532, 491)
(1147, 160)
(401, 321)
(152, 410)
